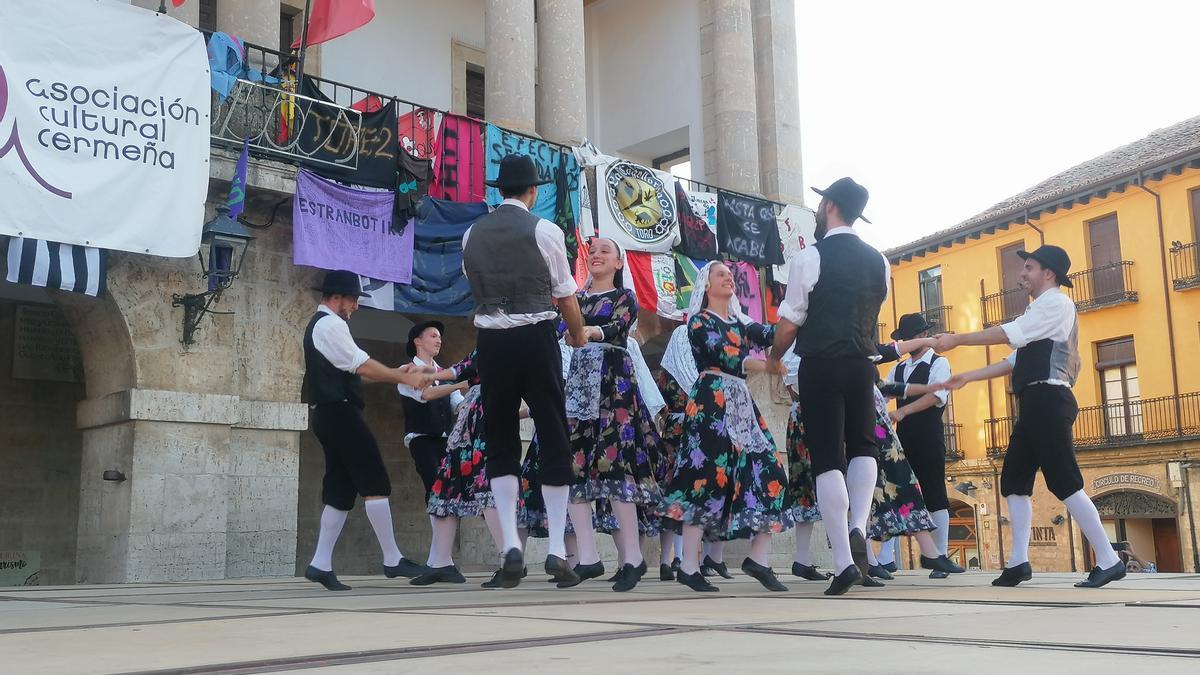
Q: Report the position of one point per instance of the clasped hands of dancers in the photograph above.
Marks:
(712, 473)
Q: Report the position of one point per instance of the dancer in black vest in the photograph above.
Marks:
(333, 370)
(428, 417)
(516, 264)
(1044, 367)
(918, 421)
(831, 311)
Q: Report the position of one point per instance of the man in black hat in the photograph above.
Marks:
(1043, 367)
(516, 264)
(831, 311)
(919, 426)
(334, 368)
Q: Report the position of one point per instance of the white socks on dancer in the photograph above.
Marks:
(430, 560)
(493, 524)
(715, 550)
(505, 489)
(627, 532)
(887, 552)
(941, 535)
(585, 536)
(666, 544)
(927, 543)
(834, 502)
(862, 475)
(804, 532)
(871, 559)
(332, 521)
(1081, 508)
(379, 512)
(556, 497)
(760, 549)
(1020, 516)
(689, 563)
(442, 553)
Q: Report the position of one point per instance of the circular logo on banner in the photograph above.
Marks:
(640, 202)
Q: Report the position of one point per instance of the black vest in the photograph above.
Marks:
(843, 307)
(1046, 360)
(505, 269)
(432, 418)
(923, 430)
(324, 382)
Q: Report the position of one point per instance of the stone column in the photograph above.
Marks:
(561, 91)
(511, 42)
(778, 100)
(734, 96)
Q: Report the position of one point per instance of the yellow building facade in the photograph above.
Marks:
(1130, 220)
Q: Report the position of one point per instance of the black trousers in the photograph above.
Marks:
(837, 406)
(1041, 438)
(927, 457)
(524, 363)
(353, 465)
(427, 454)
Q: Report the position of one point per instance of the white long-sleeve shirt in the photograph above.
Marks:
(331, 337)
(805, 271)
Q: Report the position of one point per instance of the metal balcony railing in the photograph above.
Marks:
(998, 431)
(953, 453)
(938, 317)
(1004, 306)
(1103, 286)
(1185, 266)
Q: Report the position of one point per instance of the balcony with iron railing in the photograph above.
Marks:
(998, 431)
(938, 318)
(953, 453)
(1003, 306)
(1185, 265)
(1103, 286)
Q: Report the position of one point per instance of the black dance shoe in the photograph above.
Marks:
(590, 571)
(327, 579)
(938, 574)
(404, 568)
(629, 576)
(809, 572)
(696, 582)
(432, 575)
(1099, 577)
(675, 565)
(951, 566)
(765, 575)
(711, 567)
(891, 567)
(868, 582)
(1011, 576)
(666, 573)
(858, 551)
(844, 580)
(562, 574)
(940, 563)
(879, 572)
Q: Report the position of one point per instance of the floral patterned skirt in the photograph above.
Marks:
(461, 487)
(899, 507)
(728, 479)
(802, 488)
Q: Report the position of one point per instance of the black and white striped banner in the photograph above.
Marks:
(80, 269)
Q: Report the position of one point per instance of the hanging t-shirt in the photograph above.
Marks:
(458, 162)
(636, 206)
(696, 239)
(415, 175)
(796, 227)
(747, 229)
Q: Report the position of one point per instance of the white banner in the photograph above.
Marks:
(636, 206)
(104, 129)
(796, 227)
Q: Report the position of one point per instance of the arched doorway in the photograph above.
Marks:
(963, 546)
(1146, 522)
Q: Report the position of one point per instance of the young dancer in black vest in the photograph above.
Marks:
(831, 312)
(1044, 367)
(333, 371)
(918, 421)
(516, 264)
(428, 418)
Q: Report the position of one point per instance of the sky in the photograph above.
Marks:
(942, 109)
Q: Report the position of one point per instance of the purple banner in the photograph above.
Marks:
(339, 228)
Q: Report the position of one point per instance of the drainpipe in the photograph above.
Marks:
(999, 523)
(1041, 235)
(895, 319)
(1162, 253)
(1187, 498)
(1071, 540)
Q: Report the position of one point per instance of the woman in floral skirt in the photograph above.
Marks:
(728, 482)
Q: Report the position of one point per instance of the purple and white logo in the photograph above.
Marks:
(14, 143)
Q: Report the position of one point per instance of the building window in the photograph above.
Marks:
(1107, 276)
(1194, 201)
(1015, 298)
(1119, 387)
(678, 163)
(287, 27)
(208, 15)
(475, 82)
(930, 282)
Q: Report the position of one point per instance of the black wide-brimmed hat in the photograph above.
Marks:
(1052, 258)
(516, 172)
(850, 197)
(342, 282)
(910, 326)
(415, 332)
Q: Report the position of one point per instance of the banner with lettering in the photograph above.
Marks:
(796, 227)
(636, 206)
(550, 162)
(747, 229)
(697, 229)
(335, 227)
(104, 131)
(458, 162)
(344, 146)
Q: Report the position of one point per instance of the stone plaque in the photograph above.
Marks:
(1112, 479)
(20, 568)
(44, 347)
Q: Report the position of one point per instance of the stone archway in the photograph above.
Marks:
(1134, 504)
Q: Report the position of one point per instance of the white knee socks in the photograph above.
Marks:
(887, 552)
(1084, 512)
(666, 544)
(433, 542)
(627, 532)
(927, 543)
(505, 490)
(1020, 515)
(941, 518)
(379, 512)
(493, 524)
(834, 502)
(690, 562)
(871, 559)
(715, 550)
(585, 536)
(760, 548)
(804, 532)
(444, 530)
(332, 521)
(556, 497)
(861, 478)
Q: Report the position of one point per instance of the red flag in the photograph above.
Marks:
(334, 18)
(178, 3)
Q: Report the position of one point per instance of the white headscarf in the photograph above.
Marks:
(700, 290)
(677, 359)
